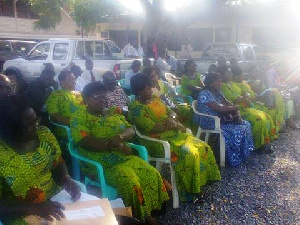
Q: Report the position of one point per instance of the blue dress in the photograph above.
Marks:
(238, 137)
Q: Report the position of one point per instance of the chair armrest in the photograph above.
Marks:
(142, 151)
(165, 144)
(216, 118)
(68, 130)
(188, 131)
(99, 168)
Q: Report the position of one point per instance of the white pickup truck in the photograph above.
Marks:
(60, 52)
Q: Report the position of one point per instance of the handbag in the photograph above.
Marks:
(230, 117)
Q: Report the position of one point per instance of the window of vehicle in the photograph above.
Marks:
(40, 52)
(21, 48)
(5, 47)
(213, 51)
(92, 50)
(113, 47)
(248, 53)
(60, 51)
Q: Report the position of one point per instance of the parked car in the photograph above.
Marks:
(248, 55)
(60, 52)
(11, 49)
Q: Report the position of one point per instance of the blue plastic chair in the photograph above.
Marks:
(180, 98)
(121, 83)
(131, 98)
(107, 191)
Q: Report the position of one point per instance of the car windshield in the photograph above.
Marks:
(5, 47)
(22, 48)
(212, 52)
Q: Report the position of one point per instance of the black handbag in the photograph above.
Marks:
(228, 118)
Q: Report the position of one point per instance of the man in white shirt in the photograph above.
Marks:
(134, 69)
(187, 50)
(161, 63)
(134, 50)
(86, 77)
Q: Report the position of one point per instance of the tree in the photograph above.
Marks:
(85, 13)
(49, 13)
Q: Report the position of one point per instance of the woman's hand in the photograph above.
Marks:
(72, 188)
(47, 210)
(125, 149)
(115, 142)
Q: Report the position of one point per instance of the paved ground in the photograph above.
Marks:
(263, 190)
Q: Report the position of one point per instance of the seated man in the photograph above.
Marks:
(86, 76)
(134, 69)
(5, 88)
(40, 89)
(115, 95)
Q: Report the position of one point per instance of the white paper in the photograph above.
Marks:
(64, 197)
(86, 213)
(117, 203)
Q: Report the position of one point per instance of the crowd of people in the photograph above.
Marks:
(101, 116)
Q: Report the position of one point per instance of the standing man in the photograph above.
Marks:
(187, 49)
(134, 50)
(86, 77)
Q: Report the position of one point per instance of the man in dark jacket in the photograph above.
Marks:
(40, 89)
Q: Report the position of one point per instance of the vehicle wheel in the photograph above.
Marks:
(16, 82)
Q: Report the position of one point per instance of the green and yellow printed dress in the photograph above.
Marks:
(64, 103)
(263, 129)
(183, 111)
(277, 112)
(186, 81)
(138, 183)
(28, 177)
(193, 160)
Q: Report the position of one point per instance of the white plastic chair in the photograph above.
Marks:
(160, 161)
(217, 130)
(172, 79)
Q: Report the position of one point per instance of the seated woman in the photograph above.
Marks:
(62, 103)
(32, 169)
(115, 95)
(238, 137)
(273, 97)
(263, 129)
(191, 83)
(193, 160)
(160, 90)
(102, 135)
(274, 108)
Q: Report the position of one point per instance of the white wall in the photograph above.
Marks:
(23, 29)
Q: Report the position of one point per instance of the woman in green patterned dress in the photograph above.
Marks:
(263, 129)
(160, 90)
(193, 159)
(102, 135)
(62, 103)
(275, 110)
(191, 83)
(31, 166)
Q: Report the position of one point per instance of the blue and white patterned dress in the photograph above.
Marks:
(238, 137)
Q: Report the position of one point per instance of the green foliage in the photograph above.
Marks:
(86, 13)
(49, 12)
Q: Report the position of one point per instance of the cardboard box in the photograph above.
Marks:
(108, 219)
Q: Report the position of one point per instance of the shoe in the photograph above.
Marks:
(268, 150)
